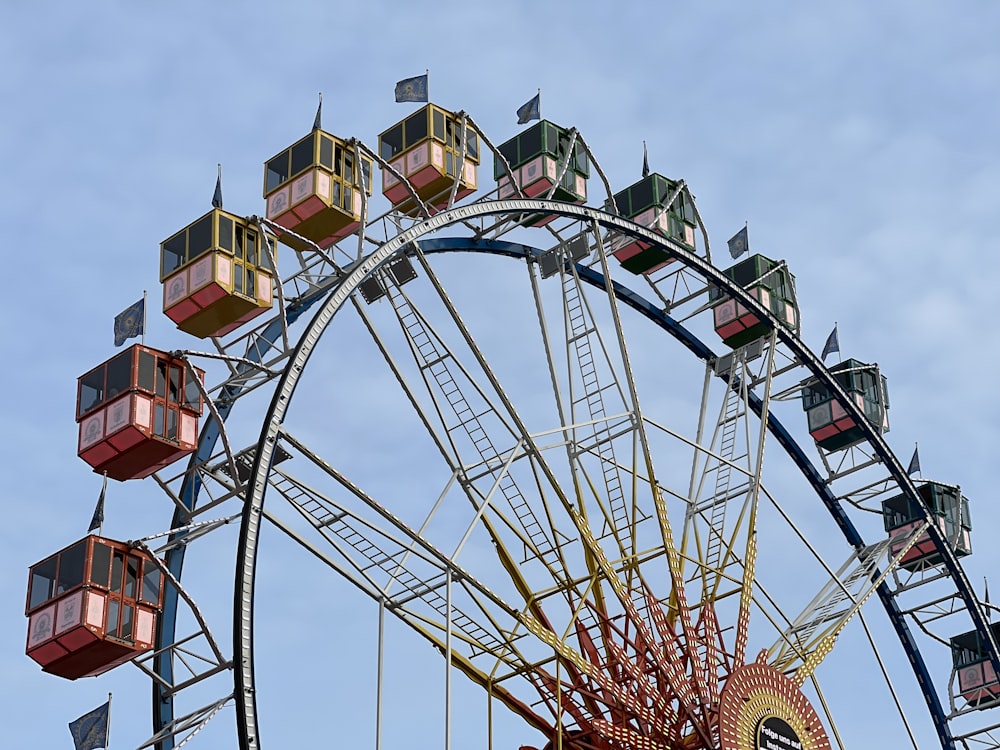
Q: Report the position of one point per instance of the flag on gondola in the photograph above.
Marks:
(318, 120)
(98, 518)
(832, 343)
(530, 110)
(129, 322)
(217, 196)
(412, 89)
(91, 730)
(739, 243)
(914, 465)
(645, 161)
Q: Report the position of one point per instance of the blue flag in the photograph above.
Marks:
(530, 110)
(129, 322)
(91, 730)
(832, 343)
(914, 467)
(739, 243)
(98, 518)
(412, 89)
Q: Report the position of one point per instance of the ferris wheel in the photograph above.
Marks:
(595, 468)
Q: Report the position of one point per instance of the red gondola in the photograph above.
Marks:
(138, 412)
(91, 607)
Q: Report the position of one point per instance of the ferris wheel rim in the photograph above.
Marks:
(391, 249)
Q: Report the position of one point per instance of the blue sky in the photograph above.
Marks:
(858, 142)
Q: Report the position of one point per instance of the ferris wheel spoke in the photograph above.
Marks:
(863, 573)
(593, 408)
(614, 694)
(594, 412)
(480, 635)
(756, 466)
(486, 631)
(645, 641)
(187, 726)
(720, 518)
(486, 626)
(469, 419)
(394, 562)
(427, 347)
(518, 506)
(679, 599)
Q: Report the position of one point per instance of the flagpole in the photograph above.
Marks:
(107, 729)
(144, 308)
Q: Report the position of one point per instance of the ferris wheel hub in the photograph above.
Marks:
(763, 709)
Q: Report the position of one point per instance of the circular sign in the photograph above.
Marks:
(775, 734)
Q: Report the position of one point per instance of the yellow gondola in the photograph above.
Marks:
(216, 275)
(313, 188)
(426, 149)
